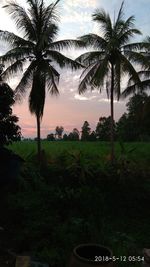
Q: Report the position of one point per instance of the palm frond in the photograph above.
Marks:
(36, 12)
(62, 60)
(13, 69)
(52, 80)
(100, 73)
(26, 81)
(97, 42)
(51, 14)
(125, 37)
(119, 23)
(15, 54)
(66, 44)
(104, 20)
(90, 57)
(33, 11)
(14, 40)
(144, 74)
(86, 77)
(136, 88)
(21, 18)
(45, 39)
(128, 68)
(120, 14)
(128, 24)
(138, 58)
(52, 77)
(44, 19)
(52, 86)
(137, 46)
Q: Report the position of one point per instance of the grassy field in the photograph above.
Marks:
(138, 150)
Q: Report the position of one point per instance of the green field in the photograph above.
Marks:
(141, 150)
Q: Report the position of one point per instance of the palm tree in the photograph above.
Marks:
(39, 49)
(112, 58)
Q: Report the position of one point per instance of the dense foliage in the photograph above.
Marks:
(85, 133)
(135, 124)
(103, 129)
(75, 197)
(9, 130)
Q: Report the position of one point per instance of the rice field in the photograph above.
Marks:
(137, 151)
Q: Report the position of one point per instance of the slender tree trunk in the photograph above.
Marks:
(38, 137)
(112, 115)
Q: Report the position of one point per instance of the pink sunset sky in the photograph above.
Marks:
(70, 109)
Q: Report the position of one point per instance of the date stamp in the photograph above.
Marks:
(120, 258)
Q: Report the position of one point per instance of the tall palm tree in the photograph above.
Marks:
(39, 49)
(112, 58)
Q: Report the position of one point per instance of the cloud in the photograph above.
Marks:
(77, 17)
(108, 100)
(79, 3)
(83, 98)
(79, 97)
(79, 13)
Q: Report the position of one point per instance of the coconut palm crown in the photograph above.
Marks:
(112, 58)
(144, 72)
(39, 50)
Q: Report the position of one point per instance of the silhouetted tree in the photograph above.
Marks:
(50, 137)
(85, 133)
(59, 130)
(65, 137)
(9, 130)
(75, 134)
(103, 129)
(92, 136)
(135, 124)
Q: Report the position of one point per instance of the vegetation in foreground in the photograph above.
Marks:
(76, 196)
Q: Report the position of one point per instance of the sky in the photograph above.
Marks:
(70, 109)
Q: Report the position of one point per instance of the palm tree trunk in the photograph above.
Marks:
(38, 137)
(112, 115)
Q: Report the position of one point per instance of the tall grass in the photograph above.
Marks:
(138, 151)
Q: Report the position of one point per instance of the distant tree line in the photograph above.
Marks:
(134, 125)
